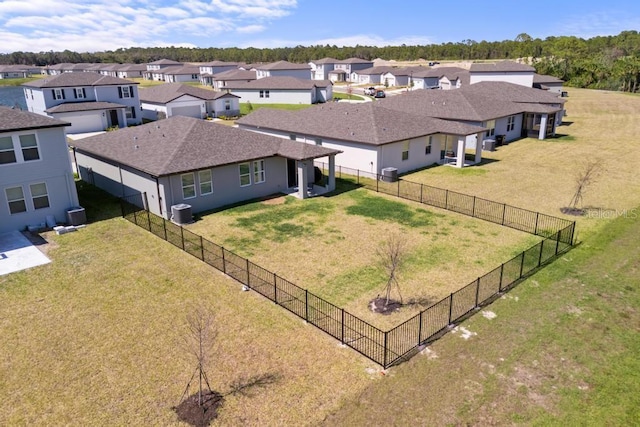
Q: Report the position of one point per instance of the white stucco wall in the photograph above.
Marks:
(524, 79)
(276, 96)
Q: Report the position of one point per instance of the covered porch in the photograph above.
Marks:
(303, 179)
(454, 151)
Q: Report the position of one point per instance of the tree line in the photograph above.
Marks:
(603, 62)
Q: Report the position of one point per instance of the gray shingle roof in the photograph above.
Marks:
(182, 144)
(78, 79)
(83, 106)
(165, 62)
(14, 119)
(477, 102)
(354, 61)
(283, 65)
(326, 60)
(235, 75)
(545, 79)
(279, 82)
(167, 92)
(501, 66)
(367, 123)
(181, 70)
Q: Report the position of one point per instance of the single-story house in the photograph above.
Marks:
(440, 78)
(231, 77)
(282, 90)
(205, 165)
(502, 71)
(549, 83)
(370, 136)
(36, 179)
(283, 69)
(178, 99)
(372, 75)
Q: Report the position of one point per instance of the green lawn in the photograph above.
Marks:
(19, 82)
(246, 108)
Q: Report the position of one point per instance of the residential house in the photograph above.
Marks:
(400, 76)
(210, 68)
(346, 70)
(282, 90)
(372, 75)
(444, 78)
(89, 101)
(36, 179)
(320, 68)
(178, 99)
(17, 71)
(181, 74)
(507, 110)
(549, 83)
(205, 165)
(232, 77)
(371, 137)
(502, 71)
(283, 69)
(154, 69)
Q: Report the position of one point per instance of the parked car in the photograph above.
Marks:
(370, 91)
(379, 94)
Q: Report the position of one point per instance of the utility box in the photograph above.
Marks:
(389, 174)
(181, 214)
(489, 145)
(76, 216)
(500, 140)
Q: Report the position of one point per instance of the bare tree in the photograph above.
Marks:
(391, 254)
(585, 177)
(199, 341)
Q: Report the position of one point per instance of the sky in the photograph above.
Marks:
(100, 25)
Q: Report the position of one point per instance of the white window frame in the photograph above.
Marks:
(227, 104)
(126, 93)
(57, 94)
(245, 177)
(10, 149)
(259, 175)
(318, 141)
(78, 92)
(192, 186)
(266, 93)
(39, 196)
(129, 113)
(511, 123)
(405, 150)
(428, 147)
(262, 94)
(205, 181)
(10, 201)
(29, 147)
(491, 125)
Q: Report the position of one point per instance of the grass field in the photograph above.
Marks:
(328, 245)
(94, 337)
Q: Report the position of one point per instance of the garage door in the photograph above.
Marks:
(192, 111)
(84, 123)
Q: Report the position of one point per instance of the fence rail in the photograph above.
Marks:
(383, 347)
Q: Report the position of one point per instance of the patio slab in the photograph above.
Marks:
(18, 253)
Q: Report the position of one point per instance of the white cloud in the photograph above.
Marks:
(355, 40)
(172, 12)
(597, 24)
(250, 29)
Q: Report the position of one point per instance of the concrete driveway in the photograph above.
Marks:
(18, 253)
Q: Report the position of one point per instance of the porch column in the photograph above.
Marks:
(479, 143)
(303, 180)
(543, 125)
(332, 173)
(462, 142)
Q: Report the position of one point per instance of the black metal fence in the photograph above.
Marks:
(383, 347)
(525, 220)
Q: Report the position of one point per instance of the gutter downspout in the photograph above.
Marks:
(159, 197)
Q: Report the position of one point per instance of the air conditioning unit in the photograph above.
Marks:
(76, 216)
(181, 214)
(389, 174)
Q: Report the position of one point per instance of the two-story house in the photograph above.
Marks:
(283, 69)
(346, 70)
(320, 68)
(36, 179)
(214, 67)
(154, 69)
(89, 101)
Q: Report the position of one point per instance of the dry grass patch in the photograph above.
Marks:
(328, 245)
(539, 175)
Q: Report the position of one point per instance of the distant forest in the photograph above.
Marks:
(604, 62)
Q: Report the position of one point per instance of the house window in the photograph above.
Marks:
(405, 150)
(125, 91)
(39, 195)
(79, 93)
(491, 125)
(188, 186)
(245, 174)
(261, 94)
(15, 198)
(29, 147)
(58, 94)
(266, 93)
(194, 76)
(427, 148)
(206, 182)
(7, 154)
(258, 171)
(511, 123)
(130, 112)
(227, 105)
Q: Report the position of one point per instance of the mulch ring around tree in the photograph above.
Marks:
(200, 416)
(380, 305)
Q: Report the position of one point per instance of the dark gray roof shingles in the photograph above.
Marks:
(78, 79)
(14, 119)
(167, 92)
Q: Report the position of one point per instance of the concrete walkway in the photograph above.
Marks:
(18, 253)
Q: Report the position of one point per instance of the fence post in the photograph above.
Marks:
(421, 187)
(135, 218)
(504, 211)
(306, 305)
(248, 274)
(182, 237)
(275, 288)
(535, 230)
(501, 273)
(122, 206)
(164, 226)
(473, 210)
(541, 248)
(377, 183)
(149, 220)
(450, 308)
(384, 365)
(342, 326)
(420, 328)
(224, 262)
(358, 178)
(202, 248)
(558, 242)
(522, 265)
(446, 199)
(477, 291)
(399, 187)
